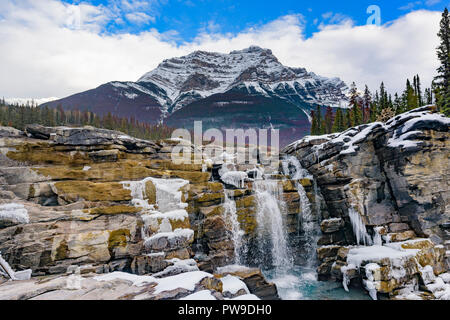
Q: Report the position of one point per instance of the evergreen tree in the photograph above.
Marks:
(338, 123)
(442, 80)
(319, 121)
(397, 104)
(383, 103)
(356, 114)
(328, 120)
(410, 97)
(348, 119)
(313, 124)
(428, 96)
(418, 91)
(367, 104)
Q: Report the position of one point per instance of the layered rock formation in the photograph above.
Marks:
(383, 183)
(104, 202)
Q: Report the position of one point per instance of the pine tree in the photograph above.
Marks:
(367, 104)
(428, 96)
(442, 80)
(419, 92)
(328, 120)
(348, 119)
(319, 121)
(410, 97)
(397, 104)
(383, 104)
(356, 114)
(313, 123)
(338, 123)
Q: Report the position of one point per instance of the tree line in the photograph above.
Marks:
(366, 107)
(20, 115)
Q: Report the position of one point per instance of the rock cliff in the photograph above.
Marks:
(98, 201)
(383, 183)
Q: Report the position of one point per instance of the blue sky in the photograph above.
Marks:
(185, 19)
(54, 48)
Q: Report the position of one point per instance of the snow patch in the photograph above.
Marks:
(14, 212)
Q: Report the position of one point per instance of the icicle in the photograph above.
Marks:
(359, 228)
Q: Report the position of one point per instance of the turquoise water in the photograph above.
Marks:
(300, 283)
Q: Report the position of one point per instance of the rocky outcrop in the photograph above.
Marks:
(105, 202)
(382, 182)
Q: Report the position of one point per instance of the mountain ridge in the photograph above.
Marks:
(183, 85)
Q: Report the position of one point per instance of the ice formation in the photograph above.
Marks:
(14, 212)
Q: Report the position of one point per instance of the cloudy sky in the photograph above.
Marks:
(54, 48)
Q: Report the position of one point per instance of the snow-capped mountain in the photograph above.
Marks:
(255, 70)
(210, 86)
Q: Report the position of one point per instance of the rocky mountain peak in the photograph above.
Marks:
(202, 74)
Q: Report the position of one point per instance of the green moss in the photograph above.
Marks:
(62, 251)
(118, 238)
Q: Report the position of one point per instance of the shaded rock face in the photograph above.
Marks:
(394, 175)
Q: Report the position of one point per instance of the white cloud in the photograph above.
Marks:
(432, 2)
(41, 55)
(139, 18)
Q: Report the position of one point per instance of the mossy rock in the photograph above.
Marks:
(170, 165)
(305, 182)
(119, 171)
(62, 251)
(150, 192)
(211, 197)
(246, 202)
(212, 211)
(112, 210)
(289, 186)
(191, 176)
(118, 238)
(247, 220)
(40, 153)
(72, 191)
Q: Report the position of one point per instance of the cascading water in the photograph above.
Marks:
(233, 225)
(308, 224)
(271, 227)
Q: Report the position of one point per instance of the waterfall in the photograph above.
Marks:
(307, 222)
(270, 211)
(233, 225)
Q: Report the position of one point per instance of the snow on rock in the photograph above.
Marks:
(357, 256)
(168, 194)
(177, 236)
(246, 297)
(233, 285)
(404, 127)
(200, 295)
(233, 268)
(234, 178)
(14, 213)
(134, 279)
(445, 277)
(179, 266)
(186, 281)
